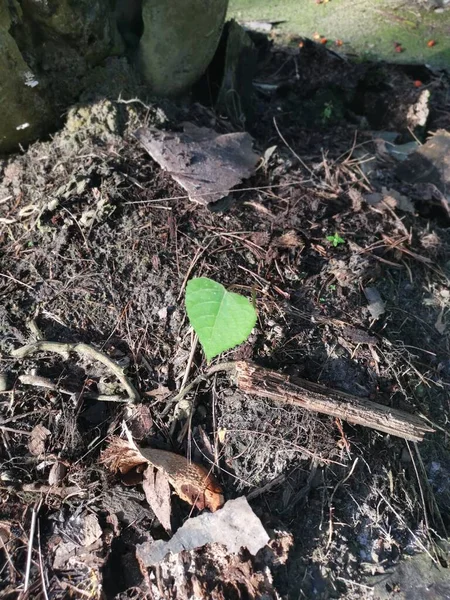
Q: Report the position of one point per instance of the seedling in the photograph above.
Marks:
(327, 112)
(221, 319)
(335, 239)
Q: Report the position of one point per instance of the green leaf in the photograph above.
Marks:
(221, 319)
(335, 239)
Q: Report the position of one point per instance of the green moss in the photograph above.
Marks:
(366, 28)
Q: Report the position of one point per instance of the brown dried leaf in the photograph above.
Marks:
(141, 422)
(290, 239)
(5, 531)
(157, 491)
(121, 456)
(57, 473)
(192, 482)
(36, 445)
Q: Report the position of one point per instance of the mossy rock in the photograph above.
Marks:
(26, 112)
(62, 42)
(179, 40)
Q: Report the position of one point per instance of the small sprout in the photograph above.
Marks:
(431, 43)
(327, 112)
(332, 287)
(335, 239)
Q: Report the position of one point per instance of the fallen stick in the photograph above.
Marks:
(265, 383)
(83, 350)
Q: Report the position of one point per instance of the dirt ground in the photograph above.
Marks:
(97, 244)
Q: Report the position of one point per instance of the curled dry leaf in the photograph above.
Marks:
(192, 482)
(57, 473)
(121, 456)
(36, 445)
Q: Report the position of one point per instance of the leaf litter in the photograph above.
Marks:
(102, 263)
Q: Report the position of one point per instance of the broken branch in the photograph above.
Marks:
(83, 350)
(265, 383)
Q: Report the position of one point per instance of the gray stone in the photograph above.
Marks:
(25, 110)
(46, 49)
(53, 54)
(416, 578)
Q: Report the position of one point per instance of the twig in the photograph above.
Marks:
(265, 488)
(189, 362)
(330, 502)
(62, 492)
(265, 383)
(403, 522)
(84, 350)
(291, 149)
(48, 384)
(12, 430)
(422, 497)
(228, 366)
(34, 514)
(350, 582)
(41, 565)
(233, 191)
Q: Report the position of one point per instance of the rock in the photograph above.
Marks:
(46, 49)
(430, 163)
(416, 578)
(58, 52)
(179, 40)
(236, 90)
(25, 110)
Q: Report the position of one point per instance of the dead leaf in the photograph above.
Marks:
(121, 456)
(396, 200)
(36, 445)
(78, 539)
(390, 198)
(290, 239)
(440, 326)
(141, 421)
(376, 305)
(157, 491)
(57, 473)
(192, 482)
(205, 163)
(5, 531)
(430, 163)
(221, 434)
(186, 477)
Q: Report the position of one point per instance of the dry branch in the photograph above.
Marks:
(83, 350)
(264, 383)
